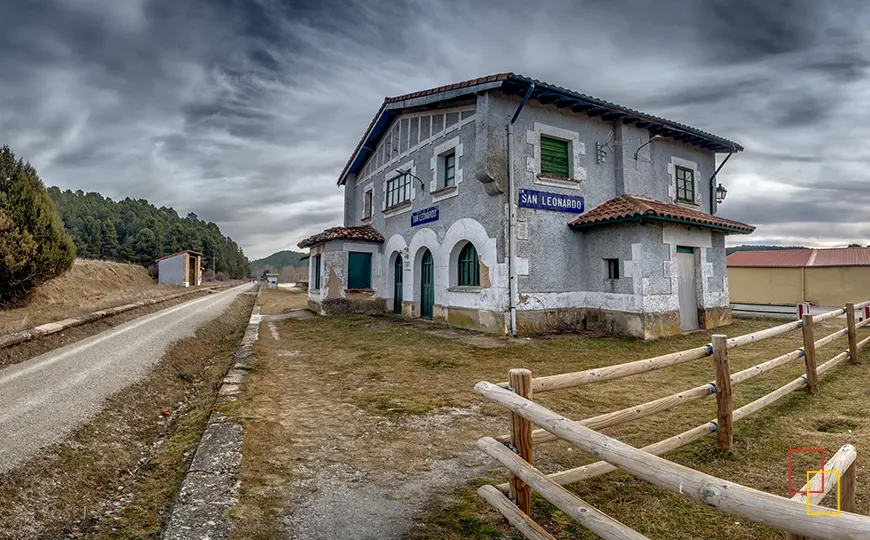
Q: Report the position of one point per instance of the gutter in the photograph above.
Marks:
(512, 216)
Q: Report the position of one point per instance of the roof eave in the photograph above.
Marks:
(393, 106)
(660, 126)
(645, 217)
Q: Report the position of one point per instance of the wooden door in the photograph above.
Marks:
(427, 286)
(397, 287)
(688, 289)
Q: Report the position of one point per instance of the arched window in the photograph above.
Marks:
(469, 269)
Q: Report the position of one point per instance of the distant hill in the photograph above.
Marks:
(277, 262)
(729, 251)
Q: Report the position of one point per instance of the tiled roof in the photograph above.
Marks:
(798, 258)
(190, 251)
(447, 87)
(365, 233)
(633, 208)
(544, 92)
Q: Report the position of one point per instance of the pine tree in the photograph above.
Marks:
(33, 244)
(109, 241)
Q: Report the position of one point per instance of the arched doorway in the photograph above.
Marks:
(427, 285)
(397, 285)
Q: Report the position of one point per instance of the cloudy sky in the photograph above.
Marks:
(244, 111)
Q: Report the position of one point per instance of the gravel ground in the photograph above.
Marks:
(46, 397)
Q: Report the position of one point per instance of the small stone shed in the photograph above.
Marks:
(183, 268)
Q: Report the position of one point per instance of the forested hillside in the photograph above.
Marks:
(139, 232)
(276, 261)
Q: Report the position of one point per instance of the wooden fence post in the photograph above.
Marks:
(847, 489)
(521, 437)
(725, 426)
(853, 333)
(810, 354)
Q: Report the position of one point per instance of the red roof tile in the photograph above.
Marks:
(631, 207)
(448, 87)
(365, 233)
(190, 251)
(798, 258)
(783, 258)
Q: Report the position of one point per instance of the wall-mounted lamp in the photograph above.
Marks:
(653, 138)
(407, 172)
(720, 193)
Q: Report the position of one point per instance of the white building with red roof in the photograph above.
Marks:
(824, 277)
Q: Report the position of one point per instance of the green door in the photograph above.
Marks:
(397, 288)
(427, 286)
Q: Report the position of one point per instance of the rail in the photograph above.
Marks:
(523, 437)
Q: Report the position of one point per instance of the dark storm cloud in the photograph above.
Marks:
(245, 111)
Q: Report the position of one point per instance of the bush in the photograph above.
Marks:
(33, 244)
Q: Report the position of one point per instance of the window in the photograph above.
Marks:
(685, 184)
(449, 169)
(367, 204)
(554, 157)
(469, 269)
(316, 262)
(359, 270)
(398, 190)
(612, 268)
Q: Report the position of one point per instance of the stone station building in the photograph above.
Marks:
(511, 205)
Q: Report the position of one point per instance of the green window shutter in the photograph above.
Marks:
(684, 249)
(554, 157)
(468, 272)
(359, 270)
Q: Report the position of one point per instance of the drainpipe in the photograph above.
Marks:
(512, 215)
(713, 183)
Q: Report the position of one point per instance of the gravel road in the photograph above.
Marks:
(45, 398)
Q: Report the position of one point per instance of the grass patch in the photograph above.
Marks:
(393, 403)
(389, 404)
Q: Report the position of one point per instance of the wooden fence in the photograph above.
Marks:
(515, 450)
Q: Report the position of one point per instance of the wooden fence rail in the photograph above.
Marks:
(666, 403)
(522, 438)
(771, 510)
(608, 373)
(822, 483)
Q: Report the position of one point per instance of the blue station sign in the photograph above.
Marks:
(555, 202)
(426, 215)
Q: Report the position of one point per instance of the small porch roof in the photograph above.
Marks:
(630, 208)
(364, 233)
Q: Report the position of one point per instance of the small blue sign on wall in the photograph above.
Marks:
(556, 202)
(426, 215)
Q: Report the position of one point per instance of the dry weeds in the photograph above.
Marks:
(382, 412)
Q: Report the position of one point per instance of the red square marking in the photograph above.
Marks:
(791, 490)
